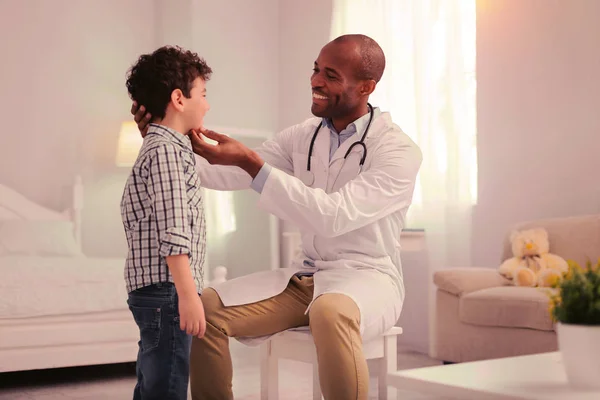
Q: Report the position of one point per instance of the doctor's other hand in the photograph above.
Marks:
(227, 151)
(141, 117)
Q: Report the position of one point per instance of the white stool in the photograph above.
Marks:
(297, 344)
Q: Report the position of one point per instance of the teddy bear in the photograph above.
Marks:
(532, 263)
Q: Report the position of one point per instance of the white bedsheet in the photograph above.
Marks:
(32, 286)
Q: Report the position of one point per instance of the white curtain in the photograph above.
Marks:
(429, 89)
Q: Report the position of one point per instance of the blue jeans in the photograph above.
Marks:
(163, 362)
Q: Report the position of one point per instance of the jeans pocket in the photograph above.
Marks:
(148, 319)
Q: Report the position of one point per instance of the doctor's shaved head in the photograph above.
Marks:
(371, 59)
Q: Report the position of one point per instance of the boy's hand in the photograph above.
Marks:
(141, 117)
(191, 310)
(191, 316)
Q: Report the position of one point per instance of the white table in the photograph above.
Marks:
(540, 377)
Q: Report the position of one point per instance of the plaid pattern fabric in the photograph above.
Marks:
(162, 209)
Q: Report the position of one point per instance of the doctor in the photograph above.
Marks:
(346, 180)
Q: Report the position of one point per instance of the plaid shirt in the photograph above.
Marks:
(163, 210)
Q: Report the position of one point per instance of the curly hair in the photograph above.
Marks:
(153, 78)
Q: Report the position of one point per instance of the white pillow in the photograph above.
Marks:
(15, 202)
(38, 238)
(5, 213)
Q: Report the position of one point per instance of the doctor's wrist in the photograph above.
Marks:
(251, 163)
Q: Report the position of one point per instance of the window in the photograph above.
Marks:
(429, 87)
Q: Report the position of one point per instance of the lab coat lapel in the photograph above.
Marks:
(337, 161)
(378, 126)
(341, 172)
(341, 151)
(321, 158)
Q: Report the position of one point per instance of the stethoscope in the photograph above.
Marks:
(309, 177)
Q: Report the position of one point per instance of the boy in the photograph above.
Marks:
(163, 215)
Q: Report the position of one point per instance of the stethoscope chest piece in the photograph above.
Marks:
(307, 177)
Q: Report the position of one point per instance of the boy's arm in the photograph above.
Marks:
(168, 196)
(179, 266)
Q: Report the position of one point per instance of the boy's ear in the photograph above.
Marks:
(177, 99)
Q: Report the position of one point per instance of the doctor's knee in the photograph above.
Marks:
(218, 317)
(331, 311)
(211, 302)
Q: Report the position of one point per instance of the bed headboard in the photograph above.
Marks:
(14, 205)
(77, 207)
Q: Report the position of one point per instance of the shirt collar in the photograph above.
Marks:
(171, 135)
(358, 125)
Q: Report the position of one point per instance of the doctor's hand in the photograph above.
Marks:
(227, 151)
(141, 117)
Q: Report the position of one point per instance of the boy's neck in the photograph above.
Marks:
(172, 123)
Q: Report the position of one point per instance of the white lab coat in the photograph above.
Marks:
(351, 230)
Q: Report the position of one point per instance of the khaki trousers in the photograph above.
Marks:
(334, 321)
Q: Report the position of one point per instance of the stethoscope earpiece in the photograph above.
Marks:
(308, 178)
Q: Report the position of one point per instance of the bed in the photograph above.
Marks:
(58, 307)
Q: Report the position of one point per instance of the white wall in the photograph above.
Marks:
(63, 87)
(63, 99)
(538, 74)
(304, 28)
(240, 41)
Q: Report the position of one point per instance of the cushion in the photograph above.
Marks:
(508, 306)
(460, 281)
(38, 238)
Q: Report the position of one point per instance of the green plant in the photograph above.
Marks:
(577, 298)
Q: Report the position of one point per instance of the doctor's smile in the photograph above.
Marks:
(319, 100)
(319, 96)
(342, 177)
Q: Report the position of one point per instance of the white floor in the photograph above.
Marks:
(117, 382)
